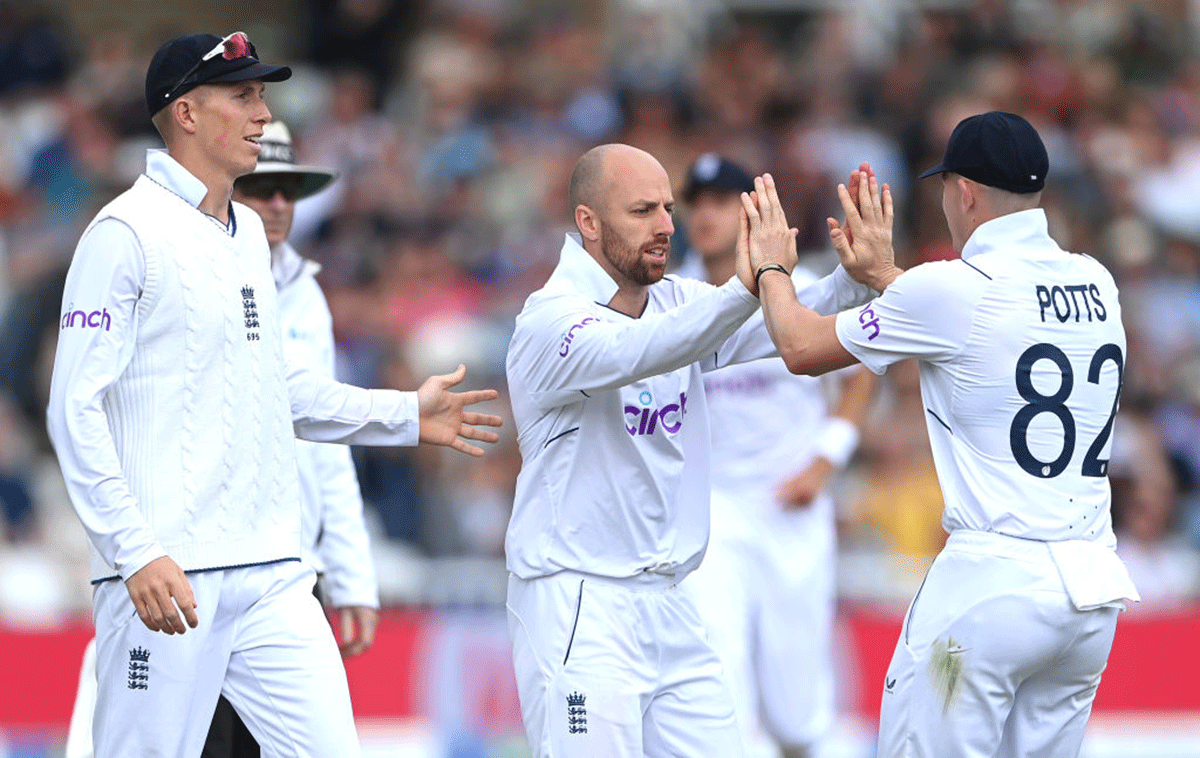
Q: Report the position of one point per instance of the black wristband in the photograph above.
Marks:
(764, 269)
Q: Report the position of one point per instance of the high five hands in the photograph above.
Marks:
(864, 243)
(765, 237)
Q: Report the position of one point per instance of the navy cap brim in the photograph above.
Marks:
(256, 70)
(938, 169)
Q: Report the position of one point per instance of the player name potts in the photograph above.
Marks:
(645, 421)
(1063, 301)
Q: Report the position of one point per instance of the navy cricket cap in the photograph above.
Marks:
(187, 62)
(711, 171)
(1001, 150)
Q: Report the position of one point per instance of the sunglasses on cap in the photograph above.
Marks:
(264, 186)
(231, 48)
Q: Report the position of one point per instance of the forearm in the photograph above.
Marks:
(327, 411)
(834, 292)
(806, 341)
(562, 352)
(839, 437)
(855, 398)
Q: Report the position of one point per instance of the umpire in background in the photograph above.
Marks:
(332, 532)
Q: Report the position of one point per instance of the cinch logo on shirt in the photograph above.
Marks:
(93, 320)
(570, 335)
(642, 421)
(869, 321)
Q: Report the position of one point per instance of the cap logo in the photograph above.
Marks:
(707, 166)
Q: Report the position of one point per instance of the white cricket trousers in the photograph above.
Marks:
(616, 668)
(262, 641)
(993, 659)
(766, 594)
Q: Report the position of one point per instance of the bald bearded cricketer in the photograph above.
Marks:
(611, 511)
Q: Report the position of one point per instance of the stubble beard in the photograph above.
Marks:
(628, 260)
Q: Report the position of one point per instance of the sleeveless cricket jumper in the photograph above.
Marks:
(611, 508)
(1021, 353)
(173, 416)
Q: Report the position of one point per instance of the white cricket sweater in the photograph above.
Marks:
(172, 410)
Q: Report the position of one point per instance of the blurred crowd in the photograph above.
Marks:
(454, 125)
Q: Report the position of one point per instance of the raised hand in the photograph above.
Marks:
(769, 238)
(444, 420)
(741, 260)
(864, 245)
(856, 176)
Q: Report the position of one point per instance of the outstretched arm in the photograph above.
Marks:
(327, 411)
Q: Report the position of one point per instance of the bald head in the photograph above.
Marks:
(598, 170)
(622, 204)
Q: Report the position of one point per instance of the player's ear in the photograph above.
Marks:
(966, 193)
(588, 223)
(183, 112)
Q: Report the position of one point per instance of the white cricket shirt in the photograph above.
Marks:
(612, 420)
(1021, 352)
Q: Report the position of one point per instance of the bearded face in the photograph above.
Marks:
(640, 260)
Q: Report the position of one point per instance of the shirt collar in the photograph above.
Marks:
(168, 172)
(1020, 230)
(287, 264)
(581, 272)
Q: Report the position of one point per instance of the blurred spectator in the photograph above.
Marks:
(16, 500)
(33, 47)
(363, 34)
(1164, 567)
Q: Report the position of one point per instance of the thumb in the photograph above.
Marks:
(453, 378)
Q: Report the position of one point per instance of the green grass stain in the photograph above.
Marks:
(945, 669)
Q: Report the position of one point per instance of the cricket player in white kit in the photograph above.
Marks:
(173, 413)
(1021, 352)
(333, 535)
(611, 508)
(766, 587)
